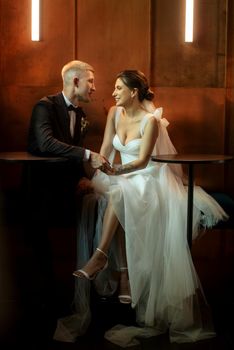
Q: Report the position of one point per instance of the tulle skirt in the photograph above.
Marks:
(151, 206)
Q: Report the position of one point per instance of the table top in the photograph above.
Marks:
(192, 158)
(22, 157)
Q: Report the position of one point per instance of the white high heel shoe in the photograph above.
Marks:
(81, 273)
(125, 298)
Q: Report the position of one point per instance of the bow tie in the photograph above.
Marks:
(72, 108)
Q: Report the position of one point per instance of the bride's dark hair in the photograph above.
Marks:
(137, 79)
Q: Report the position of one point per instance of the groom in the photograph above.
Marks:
(58, 124)
(57, 128)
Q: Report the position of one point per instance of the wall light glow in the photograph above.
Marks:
(35, 20)
(189, 21)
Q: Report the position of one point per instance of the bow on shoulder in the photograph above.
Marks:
(158, 115)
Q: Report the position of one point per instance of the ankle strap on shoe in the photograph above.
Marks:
(101, 251)
(123, 268)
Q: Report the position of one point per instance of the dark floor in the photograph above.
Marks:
(26, 321)
(34, 331)
(30, 305)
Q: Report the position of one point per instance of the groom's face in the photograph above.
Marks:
(85, 86)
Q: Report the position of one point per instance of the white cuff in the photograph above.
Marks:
(86, 155)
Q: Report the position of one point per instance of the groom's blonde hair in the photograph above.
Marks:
(74, 68)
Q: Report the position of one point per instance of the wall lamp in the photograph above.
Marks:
(35, 20)
(189, 21)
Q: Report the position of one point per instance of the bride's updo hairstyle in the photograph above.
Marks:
(136, 79)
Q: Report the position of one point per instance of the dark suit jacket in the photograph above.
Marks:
(49, 132)
(53, 184)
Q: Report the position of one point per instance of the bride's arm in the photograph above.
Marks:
(147, 145)
(107, 147)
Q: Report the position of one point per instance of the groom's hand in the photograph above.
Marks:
(97, 161)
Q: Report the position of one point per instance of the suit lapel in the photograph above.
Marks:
(63, 117)
(76, 139)
(64, 120)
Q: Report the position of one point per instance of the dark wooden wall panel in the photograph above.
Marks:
(146, 35)
(29, 70)
(229, 121)
(188, 79)
(35, 63)
(15, 119)
(112, 36)
(176, 63)
(193, 113)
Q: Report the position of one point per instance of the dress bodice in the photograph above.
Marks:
(128, 152)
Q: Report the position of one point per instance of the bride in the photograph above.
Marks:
(145, 216)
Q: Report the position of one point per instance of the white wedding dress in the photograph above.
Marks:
(151, 205)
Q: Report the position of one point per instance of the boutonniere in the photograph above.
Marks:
(84, 123)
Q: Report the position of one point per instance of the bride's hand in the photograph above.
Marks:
(114, 170)
(108, 170)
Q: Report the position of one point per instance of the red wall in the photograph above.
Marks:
(192, 82)
(189, 79)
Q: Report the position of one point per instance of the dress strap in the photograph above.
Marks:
(144, 122)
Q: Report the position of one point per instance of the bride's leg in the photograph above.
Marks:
(109, 228)
(99, 259)
(120, 239)
(124, 286)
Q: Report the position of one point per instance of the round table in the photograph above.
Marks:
(24, 157)
(191, 160)
(27, 159)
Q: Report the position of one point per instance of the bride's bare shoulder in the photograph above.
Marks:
(113, 111)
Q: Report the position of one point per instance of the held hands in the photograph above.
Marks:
(109, 171)
(99, 162)
(117, 169)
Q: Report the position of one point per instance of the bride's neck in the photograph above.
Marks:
(133, 110)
